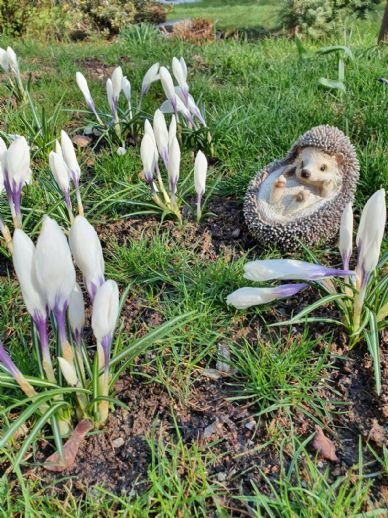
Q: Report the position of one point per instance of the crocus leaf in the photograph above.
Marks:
(332, 83)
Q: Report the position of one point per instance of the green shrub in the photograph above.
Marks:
(14, 16)
(316, 18)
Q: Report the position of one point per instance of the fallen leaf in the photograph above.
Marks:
(377, 434)
(70, 448)
(323, 445)
(81, 140)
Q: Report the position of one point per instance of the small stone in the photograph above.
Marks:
(236, 233)
(250, 424)
(117, 443)
(81, 140)
(221, 477)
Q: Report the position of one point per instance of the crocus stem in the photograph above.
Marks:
(6, 235)
(161, 186)
(69, 207)
(79, 202)
(199, 210)
(158, 201)
(359, 302)
(103, 406)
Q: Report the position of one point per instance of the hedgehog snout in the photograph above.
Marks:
(305, 173)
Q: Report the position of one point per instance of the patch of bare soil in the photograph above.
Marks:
(222, 231)
(95, 67)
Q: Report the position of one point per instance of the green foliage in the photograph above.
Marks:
(14, 16)
(317, 18)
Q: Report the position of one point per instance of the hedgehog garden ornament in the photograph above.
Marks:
(300, 199)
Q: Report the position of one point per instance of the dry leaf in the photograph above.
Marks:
(81, 140)
(324, 446)
(70, 448)
(377, 434)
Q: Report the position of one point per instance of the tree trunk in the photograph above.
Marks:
(383, 35)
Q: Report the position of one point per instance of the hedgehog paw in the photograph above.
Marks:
(278, 189)
(327, 188)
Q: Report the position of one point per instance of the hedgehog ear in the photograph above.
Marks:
(340, 158)
(293, 155)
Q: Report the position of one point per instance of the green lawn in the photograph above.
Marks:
(259, 98)
(228, 14)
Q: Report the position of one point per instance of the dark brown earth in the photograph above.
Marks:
(119, 457)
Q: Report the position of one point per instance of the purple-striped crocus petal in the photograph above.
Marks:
(5, 360)
(290, 269)
(244, 298)
(60, 318)
(92, 287)
(41, 326)
(106, 343)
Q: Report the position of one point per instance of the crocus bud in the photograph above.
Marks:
(110, 97)
(87, 252)
(58, 150)
(147, 153)
(148, 130)
(126, 87)
(55, 274)
(61, 174)
(76, 313)
(104, 316)
(6, 361)
(244, 298)
(4, 60)
(83, 86)
(68, 372)
(200, 172)
(117, 81)
(13, 61)
(180, 73)
(70, 158)
(174, 160)
(289, 269)
(150, 76)
(346, 235)
(168, 87)
(17, 173)
(179, 107)
(370, 235)
(161, 135)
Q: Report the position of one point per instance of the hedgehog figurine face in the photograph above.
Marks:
(300, 199)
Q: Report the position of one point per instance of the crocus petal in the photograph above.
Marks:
(150, 76)
(147, 153)
(117, 81)
(60, 171)
(172, 131)
(180, 74)
(200, 172)
(105, 311)
(53, 265)
(126, 87)
(167, 85)
(13, 61)
(4, 60)
(161, 135)
(68, 372)
(174, 159)
(371, 232)
(76, 311)
(87, 252)
(70, 157)
(289, 269)
(83, 86)
(17, 163)
(346, 235)
(5, 360)
(246, 297)
(23, 261)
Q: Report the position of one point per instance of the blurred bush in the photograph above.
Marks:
(75, 19)
(317, 18)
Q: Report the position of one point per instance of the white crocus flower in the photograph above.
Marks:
(190, 104)
(161, 135)
(200, 172)
(167, 107)
(370, 235)
(180, 72)
(346, 235)
(150, 77)
(168, 87)
(174, 160)
(70, 158)
(110, 97)
(244, 298)
(147, 154)
(117, 82)
(61, 174)
(17, 172)
(4, 60)
(87, 252)
(55, 275)
(68, 371)
(126, 87)
(84, 87)
(13, 61)
(289, 269)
